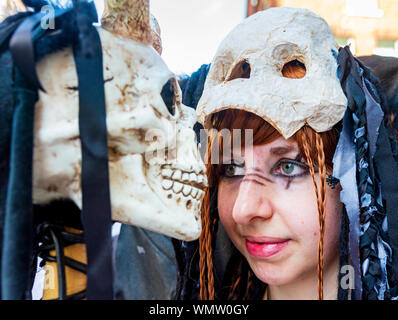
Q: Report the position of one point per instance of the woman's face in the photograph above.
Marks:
(267, 204)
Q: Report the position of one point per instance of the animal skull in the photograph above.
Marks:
(246, 72)
(156, 173)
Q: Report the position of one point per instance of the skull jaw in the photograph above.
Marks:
(172, 222)
(139, 199)
(137, 196)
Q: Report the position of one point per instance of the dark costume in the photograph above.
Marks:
(22, 43)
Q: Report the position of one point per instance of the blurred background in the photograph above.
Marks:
(192, 29)
(368, 26)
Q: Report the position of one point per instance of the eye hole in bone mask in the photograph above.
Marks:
(169, 95)
(294, 70)
(240, 71)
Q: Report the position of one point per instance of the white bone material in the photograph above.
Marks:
(267, 41)
(157, 190)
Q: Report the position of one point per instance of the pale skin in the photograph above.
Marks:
(267, 196)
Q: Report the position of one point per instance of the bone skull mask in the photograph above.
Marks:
(164, 195)
(246, 72)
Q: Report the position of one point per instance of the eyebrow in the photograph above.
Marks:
(237, 157)
(279, 151)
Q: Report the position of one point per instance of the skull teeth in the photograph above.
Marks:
(177, 175)
(193, 177)
(167, 184)
(184, 187)
(177, 187)
(184, 177)
(167, 173)
(187, 190)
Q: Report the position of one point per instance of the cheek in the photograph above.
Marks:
(227, 194)
(334, 210)
(297, 207)
(302, 219)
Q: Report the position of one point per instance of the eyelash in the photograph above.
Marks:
(273, 170)
(226, 166)
(290, 161)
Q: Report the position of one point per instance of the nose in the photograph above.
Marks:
(252, 202)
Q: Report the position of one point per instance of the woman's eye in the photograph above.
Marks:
(232, 170)
(290, 169)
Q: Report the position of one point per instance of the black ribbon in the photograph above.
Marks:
(22, 45)
(96, 209)
(8, 27)
(22, 49)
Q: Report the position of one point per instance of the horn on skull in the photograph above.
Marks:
(15, 6)
(156, 38)
(10, 7)
(128, 19)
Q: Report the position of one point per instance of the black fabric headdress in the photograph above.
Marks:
(370, 193)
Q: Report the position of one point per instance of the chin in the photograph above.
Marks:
(272, 274)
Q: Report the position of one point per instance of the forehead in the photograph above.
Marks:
(277, 148)
(125, 62)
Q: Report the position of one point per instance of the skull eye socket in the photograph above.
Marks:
(168, 95)
(294, 70)
(240, 71)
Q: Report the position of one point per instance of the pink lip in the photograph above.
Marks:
(264, 247)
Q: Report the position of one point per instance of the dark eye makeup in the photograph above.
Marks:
(289, 168)
(284, 168)
(232, 170)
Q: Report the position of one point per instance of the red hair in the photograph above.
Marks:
(316, 148)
